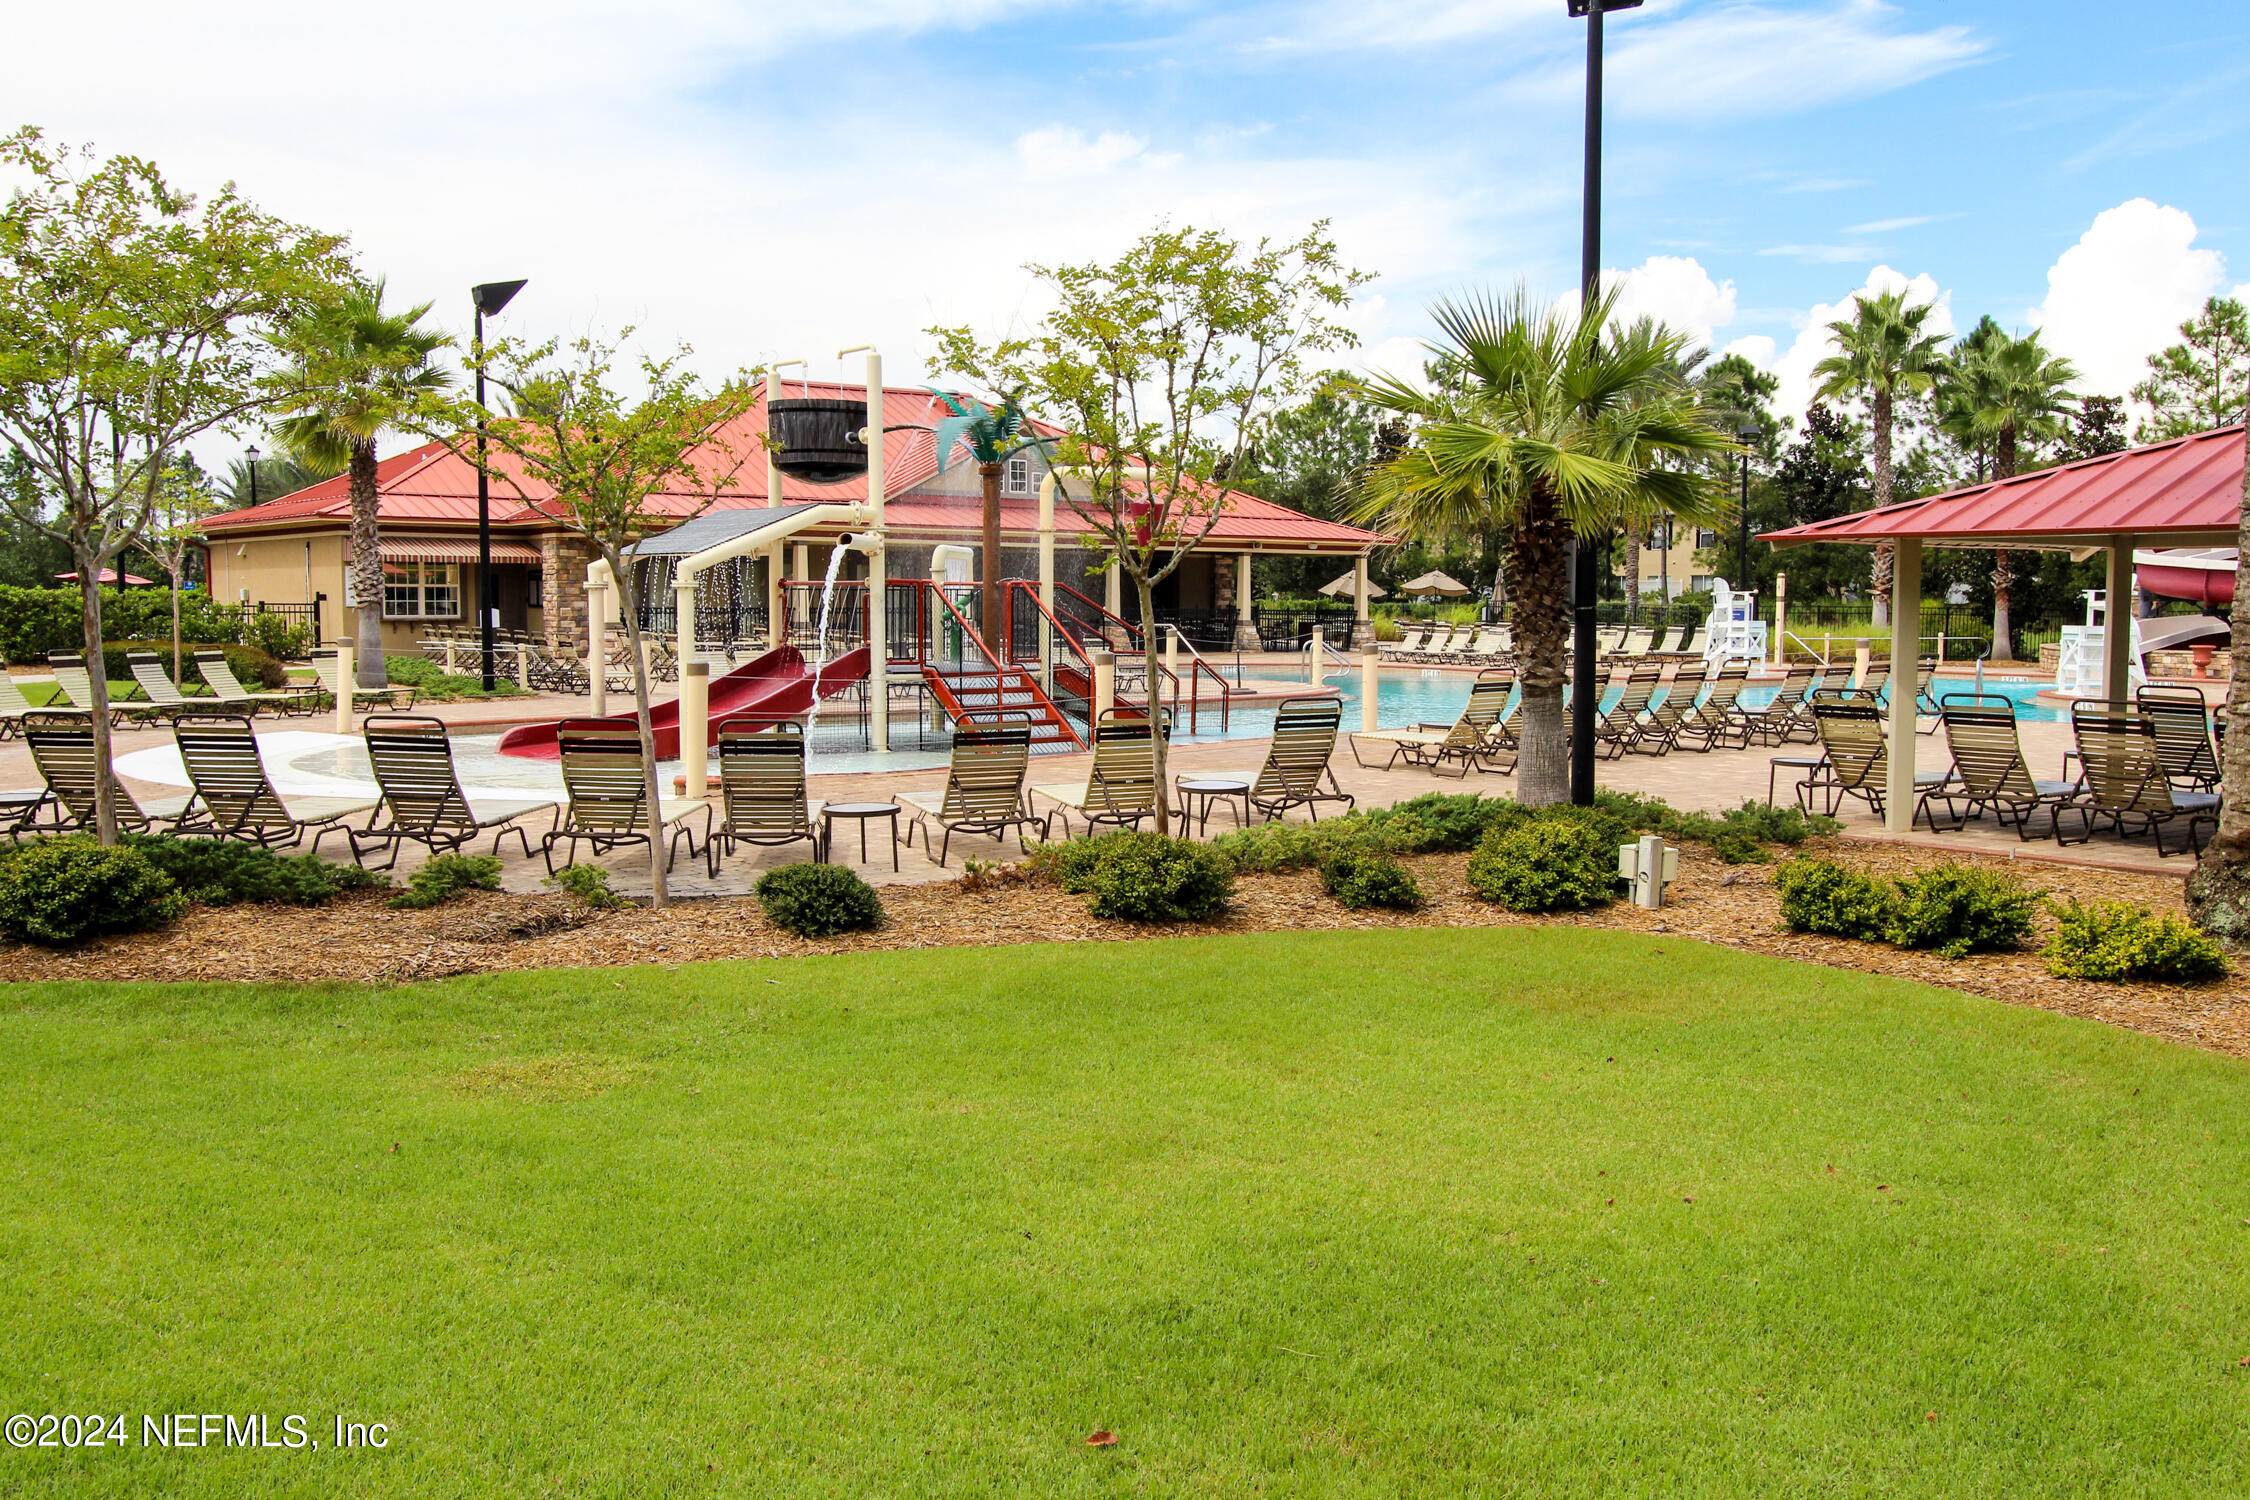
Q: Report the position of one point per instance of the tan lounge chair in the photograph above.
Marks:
(229, 692)
(1716, 720)
(1472, 740)
(422, 799)
(1620, 728)
(1669, 715)
(1121, 785)
(77, 686)
(324, 667)
(163, 696)
(607, 779)
(2183, 736)
(2125, 779)
(62, 747)
(984, 786)
(234, 799)
(1989, 769)
(1859, 764)
(1788, 714)
(762, 795)
(1304, 740)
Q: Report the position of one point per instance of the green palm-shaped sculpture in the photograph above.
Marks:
(992, 434)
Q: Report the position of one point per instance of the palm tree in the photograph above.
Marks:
(2005, 391)
(356, 371)
(992, 434)
(1886, 355)
(1541, 424)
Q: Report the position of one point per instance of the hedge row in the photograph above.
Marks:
(34, 622)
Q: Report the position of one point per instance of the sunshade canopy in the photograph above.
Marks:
(1434, 583)
(2186, 492)
(1347, 584)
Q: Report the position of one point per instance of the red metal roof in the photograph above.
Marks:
(2183, 491)
(432, 484)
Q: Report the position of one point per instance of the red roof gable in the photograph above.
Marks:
(2188, 489)
(432, 484)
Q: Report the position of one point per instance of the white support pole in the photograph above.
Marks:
(1171, 663)
(878, 571)
(2117, 626)
(1780, 618)
(1906, 632)
(597, 639)
(1113, 591)
(1370, 681)
(347, 668)
(695, 728)
(1363, 615)
(776, 601)
(1245, 622)
(1105, 683)
(1047, 579)
(1316, 659)
(683, 615)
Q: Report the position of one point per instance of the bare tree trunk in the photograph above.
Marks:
(660, 894)
(1538, 578)
(1634, 533)
(175, 624)
(1146, 592)
(989, 565)
(1879, 585)
(2003, 579)
(367, 568)
(97, 673)
(2219, 892)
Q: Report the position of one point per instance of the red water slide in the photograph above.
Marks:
(778, 684)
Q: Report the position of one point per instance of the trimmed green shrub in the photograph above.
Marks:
(1638, 811)
(445, 876)
(1778, 825)
(36, 622)
(63, 890)
(1360, 878)
(1445, 822)
(276, 637)
(818, 900)
(221, 872)
(251, 667)
(1962, 909)
(1070, 864)
(438, 686)
(1146, 877)
(1820, 895)
(1562, 860)
(2114, 941)
(1304, 846)
(590, 884)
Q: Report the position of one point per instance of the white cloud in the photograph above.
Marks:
(1823, 255)
(1743, 60)
(2121, 293)
(1064, 151)
(1815, 343)
(1676, 290)
(1886, 226)
(1346, 25)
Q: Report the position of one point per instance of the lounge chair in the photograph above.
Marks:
(1685, 645)
(422, 797)
(1121, 785)
(1717, 720)
(229, 692)
(1787, 714)
(1304, 738)
(1409, 643)
(2183, 736)
(984, 786)
(1989, 769)
(1668, 714)
(1876, 678)
(1436, 646)
(324, 667)
(606, 777)
(15, 708)
(234, 799)
(1859, 763)
(77, 685)
(163, 695)
(2124, 779)
(762, 794)
(62, 747)
(1620, 728)
(1470, 741)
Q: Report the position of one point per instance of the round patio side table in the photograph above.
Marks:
(1197, 793)
(863, 813)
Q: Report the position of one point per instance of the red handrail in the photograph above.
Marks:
(1198, 668)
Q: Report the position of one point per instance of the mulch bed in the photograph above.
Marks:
(359, 939)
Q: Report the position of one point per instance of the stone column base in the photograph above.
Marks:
(1246, 636)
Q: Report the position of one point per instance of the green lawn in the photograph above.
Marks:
(1309, 1215)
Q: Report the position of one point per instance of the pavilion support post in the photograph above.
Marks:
(1906, 650)
(1363, 613)
(2117, 625)
(1245, 621)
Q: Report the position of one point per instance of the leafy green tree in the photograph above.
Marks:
(2219, 891)
(1545, 426)
(175, 531)
(1819, 477)
(358, 370)
(2203, 381)
(1885, 352)
(991, 434)
(277, 474)
(30, 555)
(2098, 429)
(595, 457)
(132, 321)
(2004, 392)
(1165, 367)
(1312, 459)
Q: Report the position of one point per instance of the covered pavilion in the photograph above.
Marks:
(2187, 492)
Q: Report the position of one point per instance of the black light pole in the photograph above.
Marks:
(489, 298)
(1748, 436)
(1585, 692)
(253, 474)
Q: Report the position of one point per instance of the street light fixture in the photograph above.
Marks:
(1585, 693)
(253, 473)
(489, 298)
(1749, 434)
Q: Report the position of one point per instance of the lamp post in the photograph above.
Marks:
(253, 474)
(1748, 435)
(1585, 693)
(488, 298)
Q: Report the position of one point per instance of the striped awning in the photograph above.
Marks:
(450, 550)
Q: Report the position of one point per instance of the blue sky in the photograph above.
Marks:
(786, 179)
